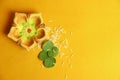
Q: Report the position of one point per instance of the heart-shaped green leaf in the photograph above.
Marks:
(43, 55)
(49, 62)
(47, 45)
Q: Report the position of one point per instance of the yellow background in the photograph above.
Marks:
(95, 25)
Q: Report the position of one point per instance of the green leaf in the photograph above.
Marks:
(47, 45)
(53, 52)
(49, 62)
(43, 55)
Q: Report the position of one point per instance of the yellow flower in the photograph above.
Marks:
(28, 30)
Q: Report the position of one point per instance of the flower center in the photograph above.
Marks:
(28, 30)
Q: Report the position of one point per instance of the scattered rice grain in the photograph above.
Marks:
(50, 21)
(66, 77)
(71, 33)
(62, 63)
(70, 66)
(69, 61)
(42, 66)
(61, 55)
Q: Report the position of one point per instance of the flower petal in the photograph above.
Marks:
(41, 36)
(28, 44)
(14, 34)
(20, 18)
(35, 19)
(40, 26)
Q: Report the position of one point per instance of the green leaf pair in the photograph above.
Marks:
(49, 51)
